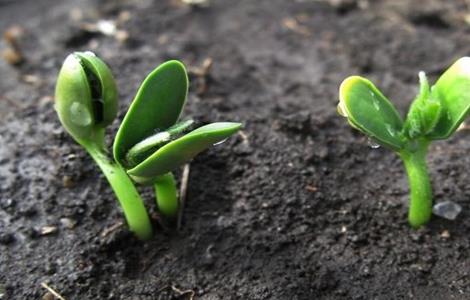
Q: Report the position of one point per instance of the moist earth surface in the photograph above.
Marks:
(296, 206)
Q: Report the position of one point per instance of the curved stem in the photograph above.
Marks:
(420, 186)
(167, 195)
(130, 200)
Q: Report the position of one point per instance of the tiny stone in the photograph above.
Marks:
(447, 210)
(67, 181)
(68, 223)
(6, 203)
(106, 27)
(445, 234)
(122, 36)
(45, 230)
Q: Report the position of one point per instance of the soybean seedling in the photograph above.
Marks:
(435, 114)
(151, 141)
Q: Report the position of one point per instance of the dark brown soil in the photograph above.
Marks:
(298, 207)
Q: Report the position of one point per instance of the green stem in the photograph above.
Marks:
(167, 195)
(130, 200)
(420, 186)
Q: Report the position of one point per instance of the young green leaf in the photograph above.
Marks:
(424, 112)
(434, 114)
(85, 96)
(157, 106)
(180, 151)
(86, 101)
(452, 90)
(369, 111)
(103, 87)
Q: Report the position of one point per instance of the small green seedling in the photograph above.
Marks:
(435, 114)
(151, 141)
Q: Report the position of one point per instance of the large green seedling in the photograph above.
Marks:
(151, 141)
(435, 114)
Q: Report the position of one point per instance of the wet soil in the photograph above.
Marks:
(295, 207)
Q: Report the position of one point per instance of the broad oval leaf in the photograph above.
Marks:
(157, 106)
(180, 151)
(452, 90)
(369, 111)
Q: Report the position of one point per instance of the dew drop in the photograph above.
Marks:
(449, 116)
(79, 114)
(221, 142)
(376, 104)
(341, 111)
(391, 130)
(373, 144)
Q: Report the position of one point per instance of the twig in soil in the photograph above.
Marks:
(181, 292)
(52, 291)
(202, 73)
(183, 193)
(106, 27)
(110, 229)
(311, 188)
(463, 127)
(13, 54)
(294, 25)
(244, 137)
(9, 101)
(46, 230)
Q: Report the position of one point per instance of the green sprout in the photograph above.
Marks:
(151, 141)
(435, 114)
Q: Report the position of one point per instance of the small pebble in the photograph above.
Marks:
(122, 36)
(448, 210)
(445, 234)
(68, 223)
(67, 181)
(45, 230)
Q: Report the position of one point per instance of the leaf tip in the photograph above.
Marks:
(462, 66)
(346, 86)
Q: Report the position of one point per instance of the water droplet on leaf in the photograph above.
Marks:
(449, 116)
(373, 144)
(376, 104)
(79, 114)
(391, 130)
(448, 210)
(221, 142)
